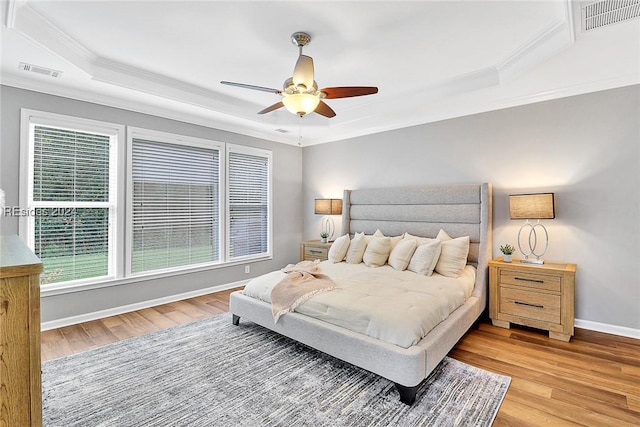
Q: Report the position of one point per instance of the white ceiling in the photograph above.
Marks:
(431, 60)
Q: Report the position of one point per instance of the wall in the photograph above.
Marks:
(585, 148)
(287, 192)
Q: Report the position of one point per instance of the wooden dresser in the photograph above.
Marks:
(540, 296)
(311, 250)
(20, 384)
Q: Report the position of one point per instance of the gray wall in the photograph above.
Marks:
(287, 197)
(585, 148)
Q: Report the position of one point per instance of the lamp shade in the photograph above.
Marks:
(328, 206)
(532, 206)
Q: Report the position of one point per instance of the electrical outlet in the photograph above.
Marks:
(247, 269)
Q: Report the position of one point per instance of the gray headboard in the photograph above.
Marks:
(460, 210)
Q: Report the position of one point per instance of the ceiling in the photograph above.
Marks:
(431, 60)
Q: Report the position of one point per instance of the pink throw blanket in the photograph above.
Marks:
(302, 282)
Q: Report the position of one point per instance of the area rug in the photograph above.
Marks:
(211, 373)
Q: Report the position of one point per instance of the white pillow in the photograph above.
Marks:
(377, 251)
(339, 248)
(453, 257)
(419, 240)
(401, 254)
(356, 248)
(425, 258)
(394, 240)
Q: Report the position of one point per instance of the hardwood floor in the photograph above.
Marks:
(593, 380)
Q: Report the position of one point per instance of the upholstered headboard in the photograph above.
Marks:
(460, 210)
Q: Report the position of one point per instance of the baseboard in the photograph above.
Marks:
(87, 317)
(608, 329)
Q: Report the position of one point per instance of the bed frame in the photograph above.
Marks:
(461, 210)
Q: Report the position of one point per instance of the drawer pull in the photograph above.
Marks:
(315, 252)
(529, 280)
(528, 304)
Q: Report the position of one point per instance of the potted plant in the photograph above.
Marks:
(324, 236)
(508, 251)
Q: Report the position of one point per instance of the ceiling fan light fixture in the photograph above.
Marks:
(301, 103)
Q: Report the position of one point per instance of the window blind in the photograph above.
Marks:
(248, 177)
(70, 203)
(175, 203)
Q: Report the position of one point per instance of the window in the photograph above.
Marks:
(99, 209)
(69, 218)
(249, 202)
(175, 203)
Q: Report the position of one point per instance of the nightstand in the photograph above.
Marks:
(314, 249)
(540, 296)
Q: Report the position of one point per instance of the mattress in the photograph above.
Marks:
(398, 307)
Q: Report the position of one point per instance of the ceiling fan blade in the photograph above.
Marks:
(261, 88)
(272, 107)
(348, 91)
(324, 110)
(303, 71)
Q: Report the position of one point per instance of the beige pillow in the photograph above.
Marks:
(394, 240)
(425, 258)
(419, 240)
(401, 254)
(453, 257)
(339, 248)
(356, 248)
(377, 251)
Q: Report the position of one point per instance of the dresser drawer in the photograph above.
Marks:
(530, 305)
(530, 280)
(313, 252)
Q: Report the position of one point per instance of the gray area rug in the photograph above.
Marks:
(211, 373)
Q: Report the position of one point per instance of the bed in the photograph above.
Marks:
(460, 210)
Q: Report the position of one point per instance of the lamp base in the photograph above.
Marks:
(532, 261)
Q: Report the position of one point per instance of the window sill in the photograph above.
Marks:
(61, 289)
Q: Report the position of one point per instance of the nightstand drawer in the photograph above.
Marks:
(530, 280)
(530, 305)
(313, 252)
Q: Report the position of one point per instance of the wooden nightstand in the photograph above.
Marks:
(314, 249)
(540, 296)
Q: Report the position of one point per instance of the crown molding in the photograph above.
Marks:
(207, 118)
(551, 40)
(35, 27)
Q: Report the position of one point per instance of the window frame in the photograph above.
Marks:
(120, 184)
(187, 141)
(241, 149)
(29, 119)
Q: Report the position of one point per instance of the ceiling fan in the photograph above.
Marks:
(300, 93)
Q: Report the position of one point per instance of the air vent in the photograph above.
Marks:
(40, 70)
(607, 12)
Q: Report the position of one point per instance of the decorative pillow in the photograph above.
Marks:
(377, 251)
(453, 257)
(356, 248)
(339, 248)
(425, 258)
(419, 240)
(401, 254)
(394, 240)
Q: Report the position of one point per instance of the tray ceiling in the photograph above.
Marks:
(431, 60)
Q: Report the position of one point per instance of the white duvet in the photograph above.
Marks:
(399, 307)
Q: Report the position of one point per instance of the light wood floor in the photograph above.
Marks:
(594, 380)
